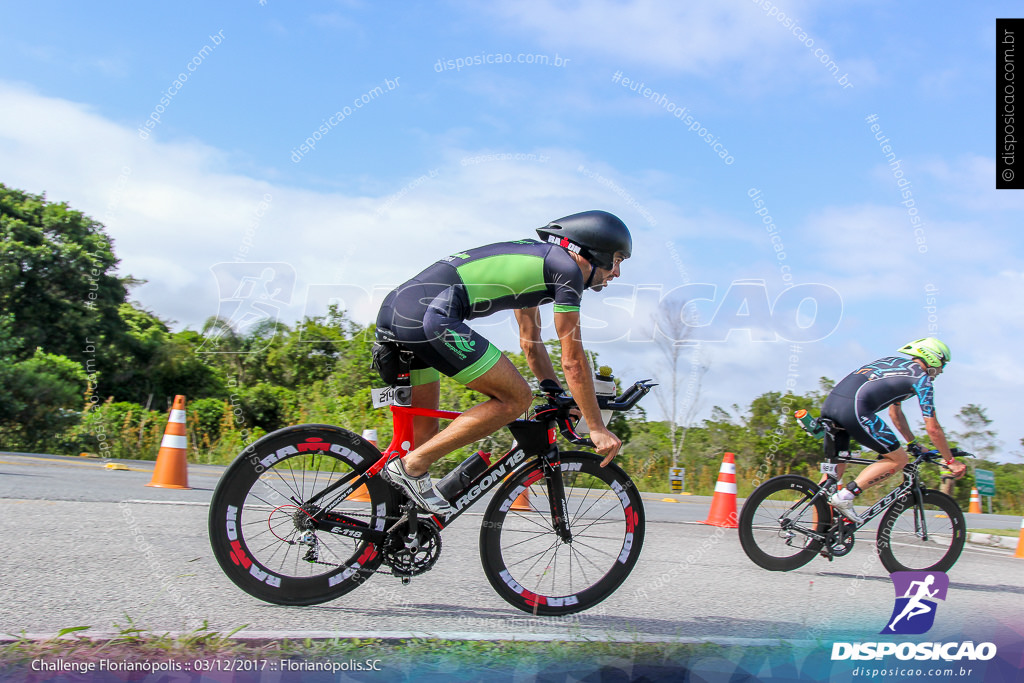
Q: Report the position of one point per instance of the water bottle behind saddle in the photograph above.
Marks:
(810, 424)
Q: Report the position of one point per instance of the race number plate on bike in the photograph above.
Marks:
(829, 467)
(384, 396)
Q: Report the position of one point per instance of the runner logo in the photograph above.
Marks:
(916, 592)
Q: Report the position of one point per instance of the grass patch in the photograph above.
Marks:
(394, 657)
(130, 643)
(995, 532)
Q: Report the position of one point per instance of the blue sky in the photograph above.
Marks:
(441, 159)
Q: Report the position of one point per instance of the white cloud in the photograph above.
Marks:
(984, 327)
(971, 183)
(174, 212)
(702, 38)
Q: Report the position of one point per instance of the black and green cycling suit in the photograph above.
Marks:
(427, 314)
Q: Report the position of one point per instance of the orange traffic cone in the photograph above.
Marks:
(171, 469)
(1020, 541)
(723, 504)
(522, 501)
(361, 494)
(975, 502)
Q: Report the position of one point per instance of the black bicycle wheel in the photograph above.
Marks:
(262, 501)
(773, 518)
(531, 567)
(921, 539)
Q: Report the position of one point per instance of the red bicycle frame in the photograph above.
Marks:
(402, 439)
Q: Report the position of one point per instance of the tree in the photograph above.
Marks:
(56, 277)
(977, 437)
(40, 398)
(671, 330)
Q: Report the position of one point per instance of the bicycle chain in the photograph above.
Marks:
(387, 518)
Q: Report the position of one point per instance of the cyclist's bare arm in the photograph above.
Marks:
(899, 420)
(532, 344)
(580, 378)
(938, 437)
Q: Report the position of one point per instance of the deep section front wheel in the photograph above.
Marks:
(775, 519)
(264, 512)
(929, 537)
(536, 570)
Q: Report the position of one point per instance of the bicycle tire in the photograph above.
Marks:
(533, 569)
(899, 545)
(253, 523)
(761, 533)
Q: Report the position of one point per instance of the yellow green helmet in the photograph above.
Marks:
(933, 352)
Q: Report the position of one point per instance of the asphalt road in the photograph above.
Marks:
(73, 557)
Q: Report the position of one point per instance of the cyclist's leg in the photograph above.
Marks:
(509, 397)
(891, 463)
(871, 432)
(427, 319)
(426, 395)
(834, 410)
(877, 436)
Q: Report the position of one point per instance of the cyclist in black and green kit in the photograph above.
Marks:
(428, 315)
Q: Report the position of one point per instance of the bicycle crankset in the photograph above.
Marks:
(411, 554)
(841, 540)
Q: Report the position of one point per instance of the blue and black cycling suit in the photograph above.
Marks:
(427, 314)
(855, 402)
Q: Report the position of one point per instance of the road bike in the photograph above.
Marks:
(787, 520)
(560, 533)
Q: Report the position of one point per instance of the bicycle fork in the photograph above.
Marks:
(552, 466)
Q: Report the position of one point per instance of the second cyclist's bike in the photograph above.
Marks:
(787, 520)
(559, 534)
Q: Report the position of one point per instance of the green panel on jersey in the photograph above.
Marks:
(502, 275)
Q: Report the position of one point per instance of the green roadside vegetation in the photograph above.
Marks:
(203, 650)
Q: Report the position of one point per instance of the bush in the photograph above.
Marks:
(120, 430)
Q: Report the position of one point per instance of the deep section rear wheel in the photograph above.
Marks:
(262, 511)
(773, 520)
(531, 567)
(929, 538)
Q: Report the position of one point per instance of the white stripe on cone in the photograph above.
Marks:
(725, 487)
(177, 416)
(728, 468)
(172, 441)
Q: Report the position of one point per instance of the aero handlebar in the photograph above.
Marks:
(562, 405)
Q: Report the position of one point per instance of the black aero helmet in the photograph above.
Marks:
(595, 235)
